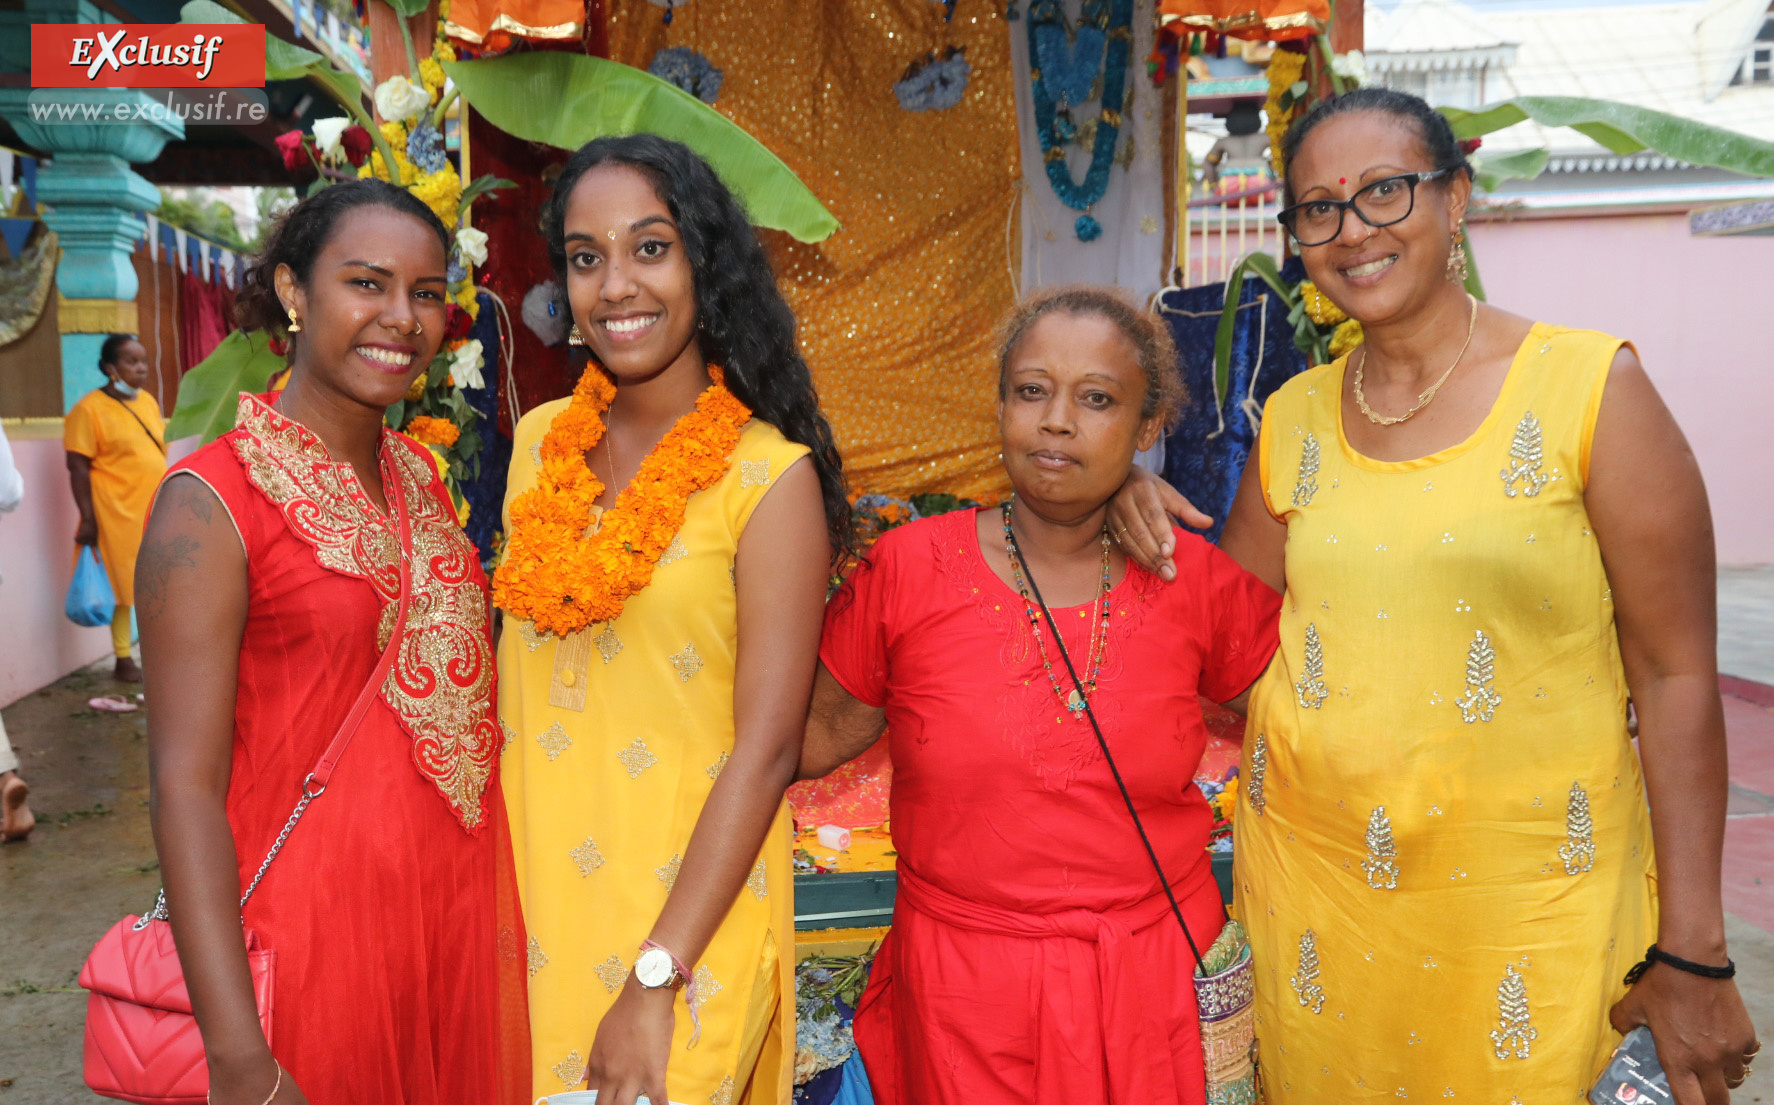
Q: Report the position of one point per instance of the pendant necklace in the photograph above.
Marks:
(1099, 633)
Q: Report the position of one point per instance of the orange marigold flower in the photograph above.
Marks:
(433, 431)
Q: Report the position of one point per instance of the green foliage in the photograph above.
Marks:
(1491, 172)
(1625, 129)
(209, 392)
(566, 100)
(200, 212)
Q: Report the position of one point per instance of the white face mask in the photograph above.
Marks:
(122, 388)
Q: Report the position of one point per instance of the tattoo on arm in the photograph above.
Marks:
(158, 561)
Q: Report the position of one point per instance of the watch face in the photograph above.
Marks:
(653, 969)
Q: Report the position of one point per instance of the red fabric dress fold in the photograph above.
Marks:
(392, 907)
(1033, 955)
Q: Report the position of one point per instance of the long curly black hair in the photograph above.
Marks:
(742, 321)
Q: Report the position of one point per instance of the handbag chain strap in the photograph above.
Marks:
(315, 784)
(1102, 743)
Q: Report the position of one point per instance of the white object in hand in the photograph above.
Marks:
(834, 836)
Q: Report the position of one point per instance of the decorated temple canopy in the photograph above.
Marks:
(1271, 20)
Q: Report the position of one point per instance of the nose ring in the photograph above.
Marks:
(418, 328)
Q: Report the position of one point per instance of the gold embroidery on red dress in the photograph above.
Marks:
(441, 686)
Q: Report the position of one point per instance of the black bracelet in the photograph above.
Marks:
(1654, 954)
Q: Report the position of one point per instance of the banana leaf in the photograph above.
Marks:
(1625, 129)
(209, 392)
(1521, 165)
(566, 100)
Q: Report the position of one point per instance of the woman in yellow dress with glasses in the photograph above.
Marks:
(671, 532)
(1490, 534)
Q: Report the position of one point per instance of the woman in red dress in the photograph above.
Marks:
(270, 578)
(1034, 955)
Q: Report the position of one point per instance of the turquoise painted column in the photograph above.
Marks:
(96, 204)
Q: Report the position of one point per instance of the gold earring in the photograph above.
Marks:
(1457, 267)
(574, 337)
(295, 323)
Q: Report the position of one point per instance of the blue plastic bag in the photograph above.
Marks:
(90, 600)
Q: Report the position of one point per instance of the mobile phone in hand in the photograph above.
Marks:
(1633, 1076)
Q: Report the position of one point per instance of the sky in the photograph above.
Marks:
(1482, 6)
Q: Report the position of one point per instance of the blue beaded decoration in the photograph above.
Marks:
(1062, 76)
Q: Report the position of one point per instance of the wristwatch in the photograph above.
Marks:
(656, 969)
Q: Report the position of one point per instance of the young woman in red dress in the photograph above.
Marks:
(270, 579)
(1034, 955)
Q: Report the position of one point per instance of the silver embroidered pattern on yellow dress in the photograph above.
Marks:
(724, 1095)
(706, 986)
(1305, 978)
(1525, 457)
(586, 857)
(612, 972)
(608, 644)
(756, 882)
(714, 770)
(1310, 688)
(571, 1070)
(1381, 863)
(538, 959)
(1306, 485)
(554, 741)
(510, 735)
(1578, 850)
(687, 663)
(1515, 1031)
(636, 758)
(673, 551)
(668, 872)
(1259, 770)
(1481, 699)
(527, 630)
(754, 473)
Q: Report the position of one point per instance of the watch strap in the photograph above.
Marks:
(688, 982)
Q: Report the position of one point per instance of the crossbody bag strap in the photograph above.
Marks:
(314, 785)
(158, 444)
(1103, 743)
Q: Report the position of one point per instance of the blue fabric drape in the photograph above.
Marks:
(486, 492)
(1204, 455)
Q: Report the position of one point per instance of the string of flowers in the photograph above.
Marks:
(1068, 71)
(561, 578)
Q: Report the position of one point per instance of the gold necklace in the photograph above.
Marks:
(1099, 631)
(1423, 399)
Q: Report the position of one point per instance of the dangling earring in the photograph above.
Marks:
(574, 337)
(1457, 258)
(295, 323)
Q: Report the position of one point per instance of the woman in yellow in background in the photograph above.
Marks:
(116, 443)
(671, 533)
(1490, 534)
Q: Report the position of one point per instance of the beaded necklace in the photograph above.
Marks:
(1099, 632)
(1054, 69)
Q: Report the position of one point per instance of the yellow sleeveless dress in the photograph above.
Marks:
(614, 739)
(1443, 851)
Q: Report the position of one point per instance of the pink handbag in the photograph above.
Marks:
(142, 1041)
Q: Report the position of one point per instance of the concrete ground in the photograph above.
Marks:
(91, 859)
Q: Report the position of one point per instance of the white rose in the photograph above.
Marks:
(472, 245)
(326, 136)
(398, 99)
(1351, 67)
(466, 366)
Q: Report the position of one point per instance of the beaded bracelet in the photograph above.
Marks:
(1654, 954)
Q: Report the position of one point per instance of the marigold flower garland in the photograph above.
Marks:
(562, 579)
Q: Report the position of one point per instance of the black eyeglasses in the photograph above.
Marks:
(1384, 202)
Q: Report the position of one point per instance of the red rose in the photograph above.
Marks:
(280, 347)
(289, 144)
(458, 323)
(357, 144)
(1469, 146)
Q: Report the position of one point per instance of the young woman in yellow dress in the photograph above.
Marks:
(1490, 535)
(671, 528)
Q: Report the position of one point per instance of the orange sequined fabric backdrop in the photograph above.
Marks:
(898, 307)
